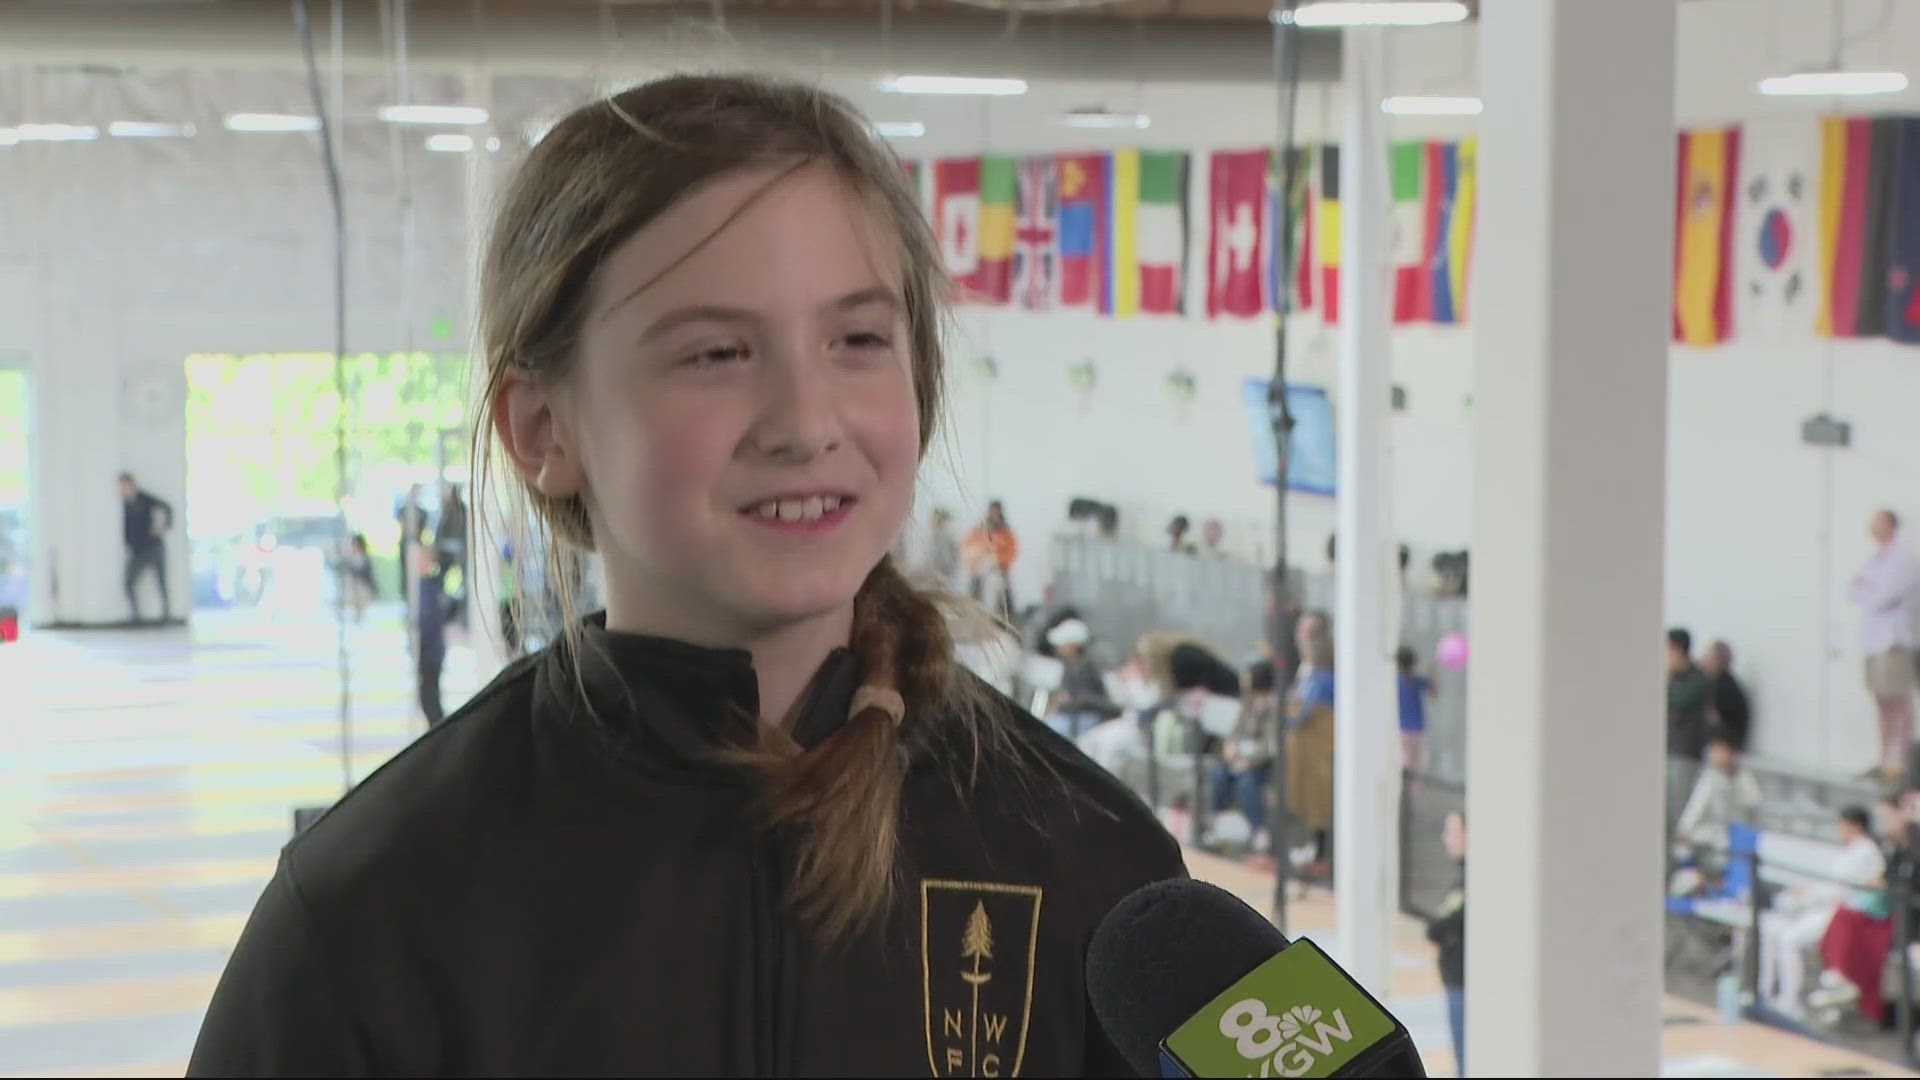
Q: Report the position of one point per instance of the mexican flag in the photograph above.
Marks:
(1407, 173)
(973, 214)
(1149, 232)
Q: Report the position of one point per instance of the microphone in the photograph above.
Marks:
(1188, 981)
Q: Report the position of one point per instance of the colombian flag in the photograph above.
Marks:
(1703, 236)
(1450, 206)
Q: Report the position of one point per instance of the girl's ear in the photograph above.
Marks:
(536, 436)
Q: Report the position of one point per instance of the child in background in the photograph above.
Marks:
(1415, 688)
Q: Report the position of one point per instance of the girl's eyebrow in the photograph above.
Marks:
(721, 313)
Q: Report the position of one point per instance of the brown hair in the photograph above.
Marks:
(596, 178)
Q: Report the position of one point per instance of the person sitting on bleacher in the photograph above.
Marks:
(1800, 916)
(1855, 947)
(1725, 794)
(1081, 702)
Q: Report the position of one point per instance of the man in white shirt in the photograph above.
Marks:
(1884, 590)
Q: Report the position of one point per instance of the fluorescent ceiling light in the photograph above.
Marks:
(1431, 106)
(1098, 120)
(434, 114)
(1827, 83)
(56, 132)
(493, 142)
(952, 84)
(142, 129)
(271, 122)
(900, 129)
(8, 137)
(450, 142)
(1376, 13)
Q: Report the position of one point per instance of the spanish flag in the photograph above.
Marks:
(1703, 236)
(1857, 156)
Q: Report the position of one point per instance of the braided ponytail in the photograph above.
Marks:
(842, 798)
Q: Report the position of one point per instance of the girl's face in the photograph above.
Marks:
(741, 417)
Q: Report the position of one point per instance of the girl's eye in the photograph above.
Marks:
(866, 339)
(715, 356)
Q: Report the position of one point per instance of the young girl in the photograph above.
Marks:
(752, 820)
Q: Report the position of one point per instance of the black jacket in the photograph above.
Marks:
(1447, 929)
(1731, 714)
(137, 519)
(527, 890)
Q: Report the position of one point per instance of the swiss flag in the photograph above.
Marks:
(1237, 210)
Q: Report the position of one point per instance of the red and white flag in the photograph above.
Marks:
(1237, 211)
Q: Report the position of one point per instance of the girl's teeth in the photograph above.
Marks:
(829, 503)
(769, 511)
(813, 507)
(791, 509)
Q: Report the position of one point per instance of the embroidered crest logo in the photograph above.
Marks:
(977, 944)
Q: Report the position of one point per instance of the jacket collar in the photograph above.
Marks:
(674, 704)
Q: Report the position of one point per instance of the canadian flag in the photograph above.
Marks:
(956, 207)
(1237, 209)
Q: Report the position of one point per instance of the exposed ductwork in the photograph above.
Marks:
(529, 37)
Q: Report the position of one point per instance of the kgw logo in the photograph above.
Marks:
(1284, 1045)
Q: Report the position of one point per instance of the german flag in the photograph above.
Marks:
(1857, 157)
(1703, 236)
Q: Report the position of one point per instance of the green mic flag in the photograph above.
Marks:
(1297, 1014)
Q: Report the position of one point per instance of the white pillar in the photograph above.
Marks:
(1565, 754)
(484, 527)
(1366, 761)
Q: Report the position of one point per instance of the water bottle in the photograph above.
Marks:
(1728, 988)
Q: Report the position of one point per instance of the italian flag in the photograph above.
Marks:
(1149, 232)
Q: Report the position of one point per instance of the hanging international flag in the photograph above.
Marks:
(1856, 166)
(1300, 222)
(956, 215)
(1407, 175)
(1036, 209)
(1449, 216)
(1709, 164)
(1776, 283)
(1237, 211)
(1085, 244)
(1326, 230)
(1903, 233)
(1149, 232)
(973, 207)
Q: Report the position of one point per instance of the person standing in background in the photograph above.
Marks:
(1415, 688)
(450, 546)
(1884, 592)
(989, 552)
(1310, 739)
(1727, 710)
(432, 620)
(1447, 929)
(1177, 541)
(1687, 691)
(413, 527)
(144, 521)
(943, 551)
(1212, 533)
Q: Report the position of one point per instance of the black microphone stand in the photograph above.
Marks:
(1286, 70)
